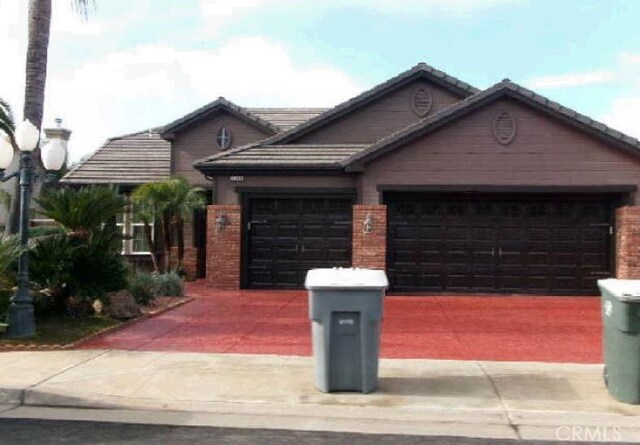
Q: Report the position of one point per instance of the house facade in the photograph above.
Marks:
(446, 187)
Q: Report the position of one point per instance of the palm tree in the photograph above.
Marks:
(169, 203)
(39, 26)
(184, 200)
(7, 123)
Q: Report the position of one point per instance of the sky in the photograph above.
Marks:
(137, 64)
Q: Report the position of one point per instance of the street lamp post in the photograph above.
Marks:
(20, 317)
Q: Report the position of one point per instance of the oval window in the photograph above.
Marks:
(223, 137)
(421, 101)
(504, 127)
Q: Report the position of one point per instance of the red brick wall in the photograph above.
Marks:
(369, 249)
(628, 242)
(223, 247)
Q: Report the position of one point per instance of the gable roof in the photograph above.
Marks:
(270, 120)
(506, 88)
(129, 159)
(220, 104)
(420, 71)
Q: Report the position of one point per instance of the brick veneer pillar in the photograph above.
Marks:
(369, 249)
(223, 247)
(628, 242)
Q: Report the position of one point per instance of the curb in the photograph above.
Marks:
(95, 335)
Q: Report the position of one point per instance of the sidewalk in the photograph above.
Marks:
(431, 397)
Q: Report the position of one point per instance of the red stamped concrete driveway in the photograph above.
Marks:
(510, 328)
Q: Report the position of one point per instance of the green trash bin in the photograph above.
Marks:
(621, 324)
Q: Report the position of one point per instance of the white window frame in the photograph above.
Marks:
(127, 226)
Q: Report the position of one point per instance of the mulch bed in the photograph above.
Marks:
(159, 306)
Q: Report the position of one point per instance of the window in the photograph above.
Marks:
(138, 239)
(132, 228)
(223, 137)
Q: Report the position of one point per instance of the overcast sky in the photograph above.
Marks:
(136, 64)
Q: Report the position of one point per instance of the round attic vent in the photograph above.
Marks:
(422, 101)
(223, 138)
(504, 127)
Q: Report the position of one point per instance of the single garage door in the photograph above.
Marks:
(287, 236)
(555, 244)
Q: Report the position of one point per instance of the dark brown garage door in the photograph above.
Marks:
(285, 237)
(544, 244)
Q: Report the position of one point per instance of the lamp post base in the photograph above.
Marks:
(21, 321)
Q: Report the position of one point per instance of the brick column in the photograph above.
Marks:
(223, 247)
(628, 242)
(369, 249)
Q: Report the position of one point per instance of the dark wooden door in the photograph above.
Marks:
(544, 244)
(285, 237)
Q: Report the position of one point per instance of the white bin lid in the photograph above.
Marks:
(346, 278)
(624, 290)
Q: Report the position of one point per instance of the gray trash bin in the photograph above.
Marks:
(621, 323)
(345, 308)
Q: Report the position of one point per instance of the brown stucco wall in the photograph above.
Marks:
(199, 141)
(380, 118)
(227, 191)
(545, 152)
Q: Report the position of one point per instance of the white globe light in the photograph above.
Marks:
(26, 136)
(6, 153)
(53, 155)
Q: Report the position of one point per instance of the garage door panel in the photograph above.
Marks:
(290, 235)
(527, 243)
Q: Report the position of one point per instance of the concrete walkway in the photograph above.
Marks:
(429, 397)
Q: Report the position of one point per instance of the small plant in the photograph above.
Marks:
(142, 288)
(169, 285)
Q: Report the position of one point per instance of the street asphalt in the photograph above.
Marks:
(44, 432)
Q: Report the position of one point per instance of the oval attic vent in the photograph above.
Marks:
(422, 101)
(504, 127)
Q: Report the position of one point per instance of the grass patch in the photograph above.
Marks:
(60, 329)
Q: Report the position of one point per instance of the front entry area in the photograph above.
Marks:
(285, 236)
(553, 244)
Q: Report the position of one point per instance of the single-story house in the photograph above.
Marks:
(447, 187)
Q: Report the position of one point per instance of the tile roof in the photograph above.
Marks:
(421, 70)
(501, 89)
(130, 159)
(142, 157)
(286, 118)
(282, 156)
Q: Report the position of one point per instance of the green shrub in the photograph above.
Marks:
(142, 288)
(80, 256)
(5, 301)
(169, 285)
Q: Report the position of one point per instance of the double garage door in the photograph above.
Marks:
(287, 236)
(522, 243)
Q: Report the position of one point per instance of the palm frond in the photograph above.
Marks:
(82, 211)
(81, 7)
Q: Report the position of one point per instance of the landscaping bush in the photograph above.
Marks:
(169, 285)
(142, 288)
(79, 259)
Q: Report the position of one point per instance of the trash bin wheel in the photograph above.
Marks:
(605, 376)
